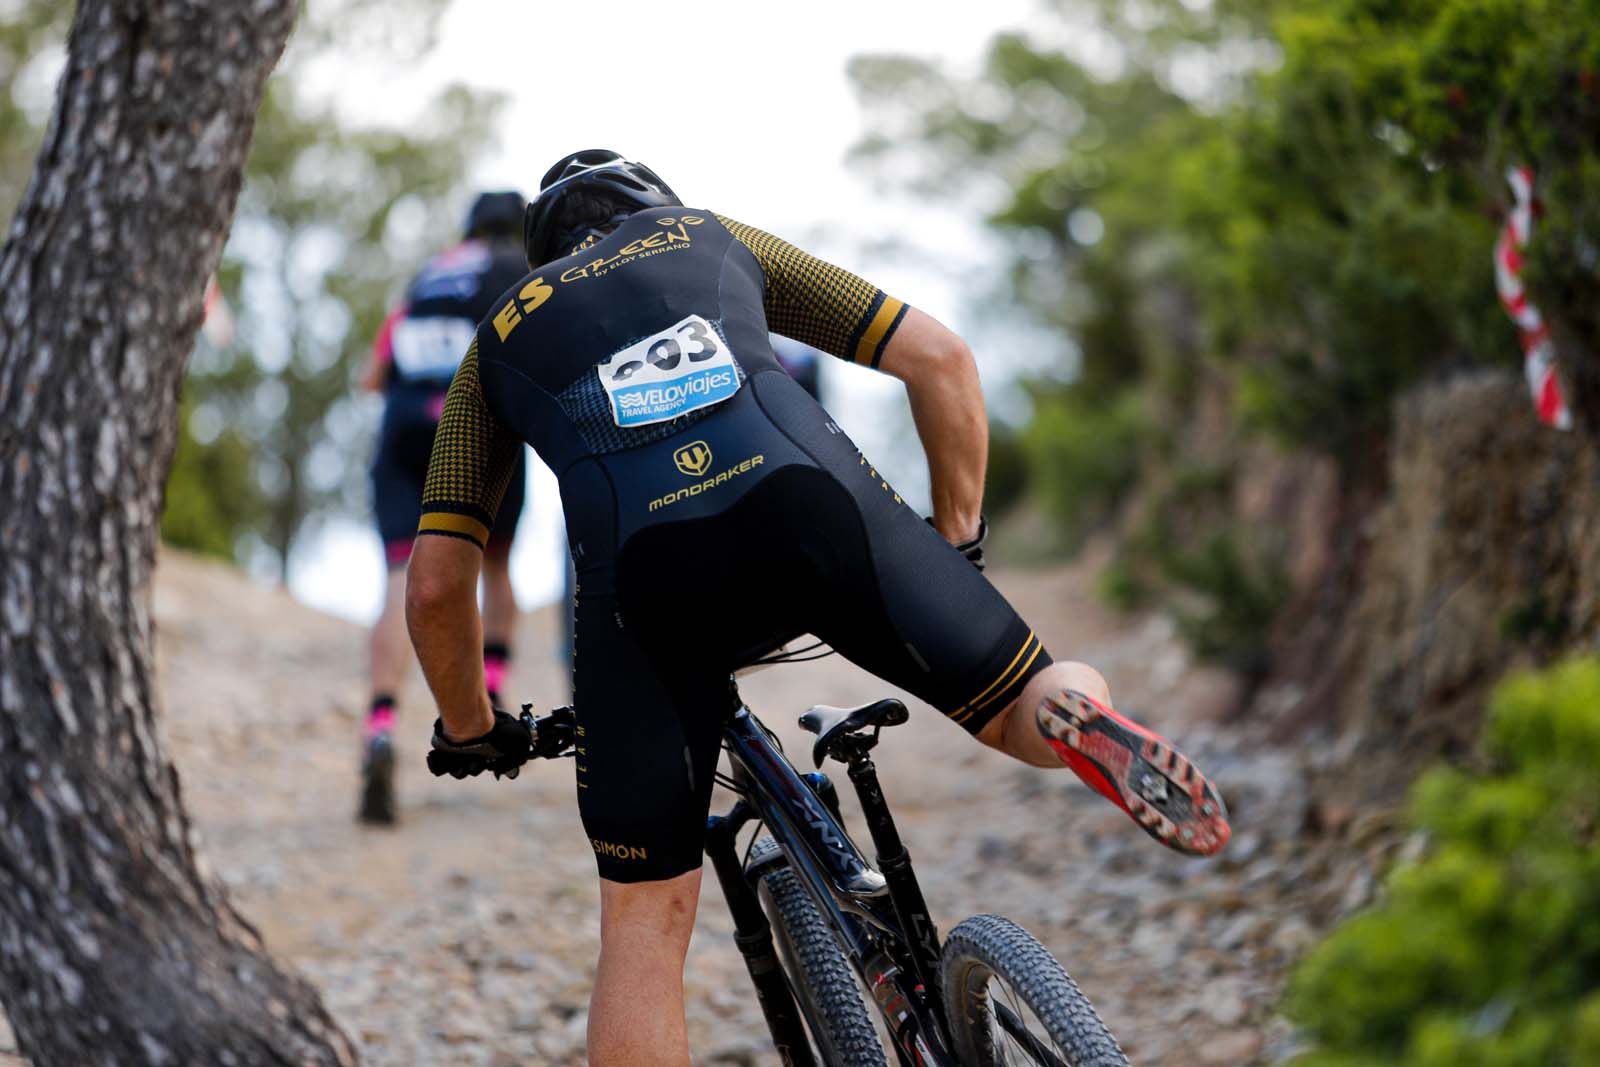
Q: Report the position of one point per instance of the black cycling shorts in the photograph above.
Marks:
(400, 466)
(815, 542)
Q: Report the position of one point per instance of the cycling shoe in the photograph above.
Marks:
(377, 781)
(1137, 770)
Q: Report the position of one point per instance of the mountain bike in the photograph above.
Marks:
(854, 935)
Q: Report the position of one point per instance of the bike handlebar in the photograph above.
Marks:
(553, 735)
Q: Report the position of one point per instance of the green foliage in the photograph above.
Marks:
(1258, 217)
(1091, 452)
(1534, 621)
(1223, 587)
(333, 217)
(1238, 593)
(1486, 952)
(1119, 586)
(332, 220)
(228, 503)
(32, 46)
(1007, 480)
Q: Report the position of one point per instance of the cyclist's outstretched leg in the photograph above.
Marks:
(894, 597)
(636, 1015)
(1064, 717)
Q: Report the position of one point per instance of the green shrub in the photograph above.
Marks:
(1485, 953)
(1233, 592)
(1533, 620)
(1082, 457)
(211, 499)
(1212, 572)
(1120, 586)
(1007, 478)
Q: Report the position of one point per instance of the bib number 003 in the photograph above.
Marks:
(681, 369)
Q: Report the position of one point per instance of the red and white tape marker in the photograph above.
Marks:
(1538, 351)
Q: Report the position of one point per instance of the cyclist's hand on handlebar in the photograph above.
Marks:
(973, 549)
(503, 750)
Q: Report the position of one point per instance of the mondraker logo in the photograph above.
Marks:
(693, 458)
(744, 466)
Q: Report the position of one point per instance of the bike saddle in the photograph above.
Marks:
(838, 729)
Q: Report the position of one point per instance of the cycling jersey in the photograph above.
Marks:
(713, 508)
(420, 346)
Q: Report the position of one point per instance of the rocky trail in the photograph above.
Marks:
(467, 934)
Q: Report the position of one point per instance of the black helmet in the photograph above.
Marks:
(602, 175)
(494, 214)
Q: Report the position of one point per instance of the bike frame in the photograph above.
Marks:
(877, 913)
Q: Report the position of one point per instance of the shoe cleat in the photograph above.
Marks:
(1137, 770)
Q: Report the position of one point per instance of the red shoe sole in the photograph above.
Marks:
(1138, 771)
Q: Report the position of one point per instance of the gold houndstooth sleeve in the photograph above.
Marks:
(813, 301)
(473, 458)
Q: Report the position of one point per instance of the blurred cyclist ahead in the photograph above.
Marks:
(413, 359)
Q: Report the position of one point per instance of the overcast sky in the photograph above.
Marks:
(743, 108)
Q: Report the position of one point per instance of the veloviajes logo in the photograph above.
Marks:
(693, 458)
(652, 403)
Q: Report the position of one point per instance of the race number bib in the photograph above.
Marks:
(430, 348)
(681, 369)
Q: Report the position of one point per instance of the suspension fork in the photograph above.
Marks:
(753, 934)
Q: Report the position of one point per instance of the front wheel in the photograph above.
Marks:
(819, 975)
(1010, 1002)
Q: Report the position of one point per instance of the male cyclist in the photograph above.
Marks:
(714, 508)
(413, 359)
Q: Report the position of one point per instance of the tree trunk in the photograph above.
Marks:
(116, 946)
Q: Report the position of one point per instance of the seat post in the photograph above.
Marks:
(894, 861)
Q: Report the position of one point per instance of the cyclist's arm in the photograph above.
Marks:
(941, 379)
(844, 315)
(474, 456)
(447, 632)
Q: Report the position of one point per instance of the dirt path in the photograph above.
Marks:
(467, 935)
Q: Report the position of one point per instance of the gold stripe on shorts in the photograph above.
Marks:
(1004, 682)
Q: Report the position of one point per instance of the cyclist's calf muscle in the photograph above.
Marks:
(636, 1014)
(1014, 732)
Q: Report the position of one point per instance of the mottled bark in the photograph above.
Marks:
(116, 945)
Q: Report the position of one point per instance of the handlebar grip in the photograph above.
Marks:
(553, 734)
